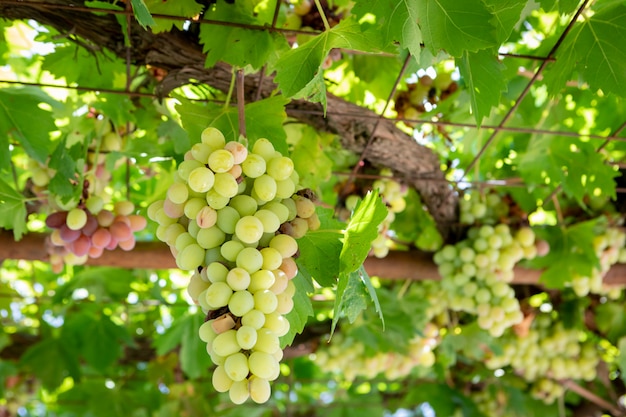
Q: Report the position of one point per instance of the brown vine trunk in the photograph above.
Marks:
(181, 55)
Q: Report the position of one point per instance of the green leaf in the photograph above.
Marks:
(362, 229)
(456, 26)
(299, 71)
(7, 369)
(51, 360)
(571, 253)
(396, 21)
(571, 163)
(621, 358)
(319, 254)
(507, 15)
(183, 8)
(101, 282)
(313, 165)
(63, 160)
(611, 320)
(172, 130)
(12, 210)
(482, 72)
(142, 14)
(302, 308)
(594, 47)
(18, 108)
(236, 45)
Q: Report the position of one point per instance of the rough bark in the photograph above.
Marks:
(181, 55)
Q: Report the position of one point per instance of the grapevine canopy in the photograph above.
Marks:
(466, 255)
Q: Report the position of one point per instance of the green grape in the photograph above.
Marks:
(285, 303)
(193, 206)
(94, 204)
(193, 228)
(213, 137)
(276, 322)
(218, 295)
(260, 390)
(525, 236)
(190, 257)
(215, 272)
(186, 167)
(291, 206)
(152, 210)
(265, 301)
(201, 179)
(241, 302)
(201, 152)
(280, 168)
(250, 259)
(216, 200)
(183, 240)
(206, 332)
(178, 193)
(244, 204)
(231, 249)
(196, 286)
(265, 187)
(211, 237)
(225, 344)
(239, 392)
(236, 366)
(262, 365)
(280, 210)
(76, 219)
(249, 229)
(285, 188)
(254, 166)
(227, 219)
(281, 282)
(226, 184)
(221, 161)
(238, 279)
(264, 148)
(246, 337)
(285, 244)
(253, 318)
(261, 280)
(272, 258)
(269, 219)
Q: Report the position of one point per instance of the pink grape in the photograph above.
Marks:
(56, 219)
(101, 238)
(105, 218)
(128, 244)
(91, 225)
(95, 252)
(68, 235)
(120, 231)
(81, 246)
(137, 222)
(173, 210)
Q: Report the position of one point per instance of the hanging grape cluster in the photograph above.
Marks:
(476, 272)
(547, 353)
(348, 357)
(422, 96)
(232, 216)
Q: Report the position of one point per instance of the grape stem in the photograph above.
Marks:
(230, 91)
(241, 103)
(322, 15)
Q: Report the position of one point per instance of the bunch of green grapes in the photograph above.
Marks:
(548, 351)
(347, 356)
(393, 194)
(492, 402)
(482, 208)
(233, 216)
(609, 247)
(476, 273)
(89, 229)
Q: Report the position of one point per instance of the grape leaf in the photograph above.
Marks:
(396, 21)
(18, 108)
(101, 282)
(12, 210)
(570, 162)
(571, 253)
(319, 254)
(313, 165)
(621, 358)
(176, 134)
(64, 160)
(235, 45)
(594, 47)
(142, 14)
(183, 8)
(456, 26)
(7, 369)
(611, 320)
(302, 308)
(507, 15)
(300, 69)
(51, 360)
(482, 72)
